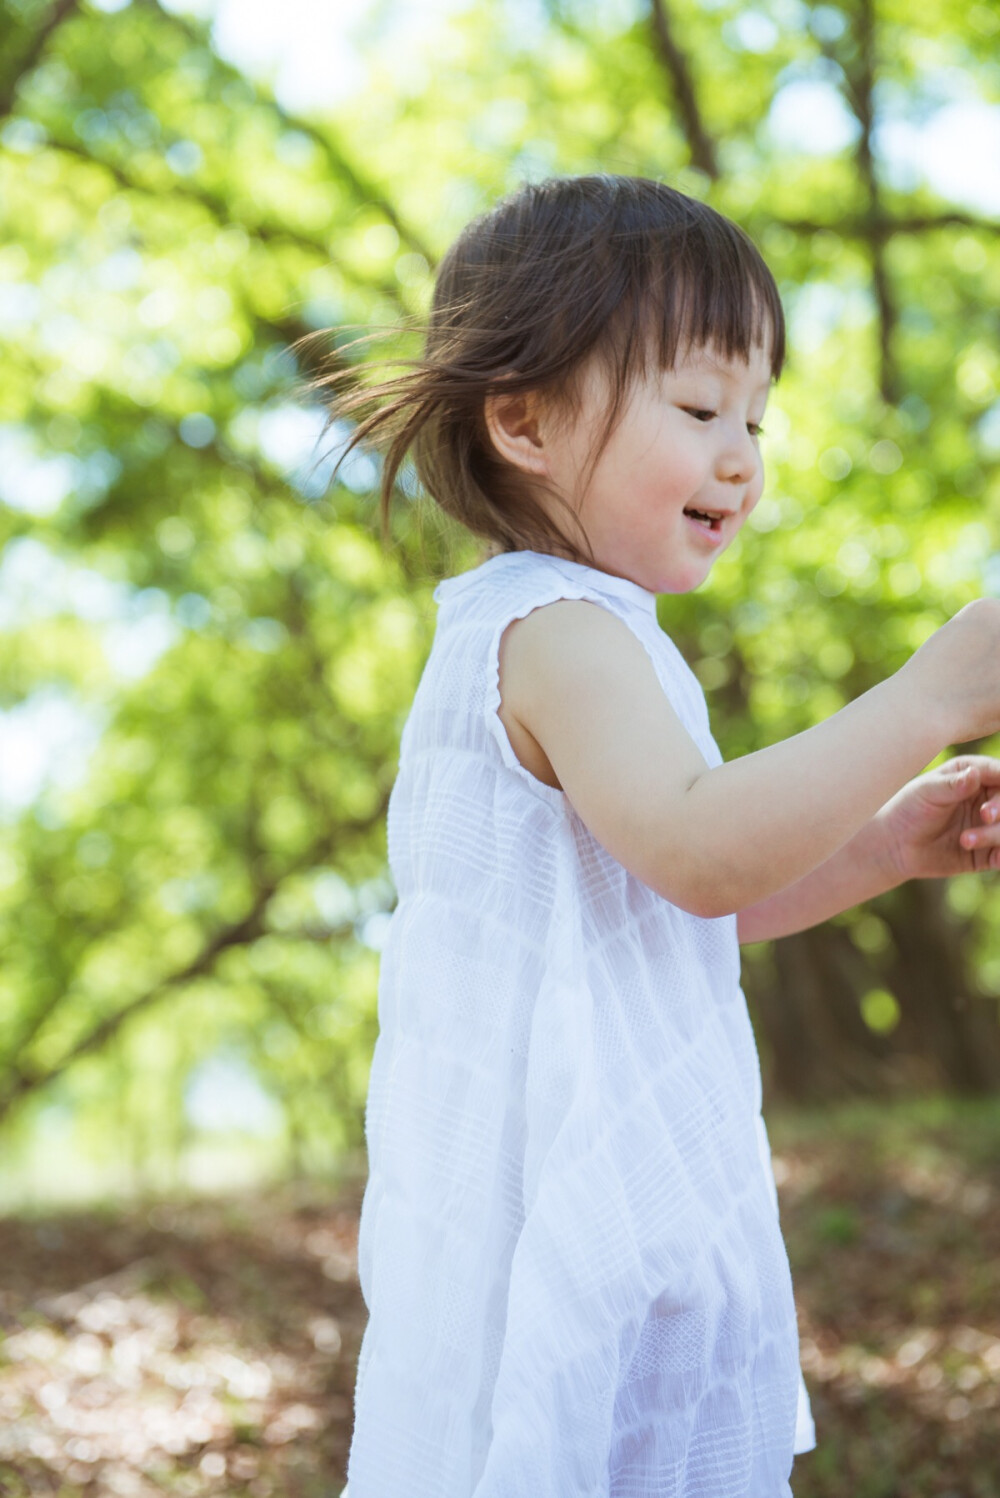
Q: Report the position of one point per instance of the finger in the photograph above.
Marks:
(954, 781)
(967, 775)
(986, 767)
(977, 772)
(985, 838)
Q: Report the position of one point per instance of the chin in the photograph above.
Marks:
(685, 585)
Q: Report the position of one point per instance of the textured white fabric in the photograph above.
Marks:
(569, 1242)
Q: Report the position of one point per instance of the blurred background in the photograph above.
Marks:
(206, 658)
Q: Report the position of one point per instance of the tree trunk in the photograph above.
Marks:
(805, 996)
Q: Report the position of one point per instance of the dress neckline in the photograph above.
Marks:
(605, 582)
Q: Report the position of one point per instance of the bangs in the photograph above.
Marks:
(730, 308)
(701, 285)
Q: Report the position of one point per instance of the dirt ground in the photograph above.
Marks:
(208, 1347)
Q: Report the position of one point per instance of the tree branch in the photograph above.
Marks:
(222, 213)
(60, 12)
(863, 227)
(22, 1080)
(888, 314)
(362, 187)
(678, 68)
(875, 227)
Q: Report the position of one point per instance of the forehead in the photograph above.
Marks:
(599, 382)
(708, 359)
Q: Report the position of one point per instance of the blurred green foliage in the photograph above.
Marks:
(211, 879)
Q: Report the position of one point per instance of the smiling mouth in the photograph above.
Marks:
(714, 518)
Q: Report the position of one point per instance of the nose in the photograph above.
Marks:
(739, 460)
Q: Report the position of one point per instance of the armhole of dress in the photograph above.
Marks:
(494, 724)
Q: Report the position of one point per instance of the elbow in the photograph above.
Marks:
(707, 901)
(708, 892)
(689, 872)
(712, 909)
(685, 868)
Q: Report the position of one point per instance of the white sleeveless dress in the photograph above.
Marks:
(569, 1243)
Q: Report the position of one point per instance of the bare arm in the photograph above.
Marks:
(858, 871)
(712, 840)
(944, 822)
(802, 801)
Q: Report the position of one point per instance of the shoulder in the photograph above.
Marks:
(539, 647)
(582, 687)
(560, 658)
(568, 641)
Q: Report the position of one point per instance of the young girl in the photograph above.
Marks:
(569, 1247)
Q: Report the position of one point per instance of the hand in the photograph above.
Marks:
(928, 825)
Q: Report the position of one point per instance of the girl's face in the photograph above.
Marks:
(687, 441)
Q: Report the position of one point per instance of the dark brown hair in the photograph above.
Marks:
(623, 269)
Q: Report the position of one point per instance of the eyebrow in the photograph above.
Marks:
(722, 371)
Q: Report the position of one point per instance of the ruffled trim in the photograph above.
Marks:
(565, 588)
(576, 573)
(492, 703)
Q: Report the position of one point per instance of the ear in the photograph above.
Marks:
(517, 426)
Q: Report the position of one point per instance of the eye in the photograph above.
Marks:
(698, 414)
(755, 429)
